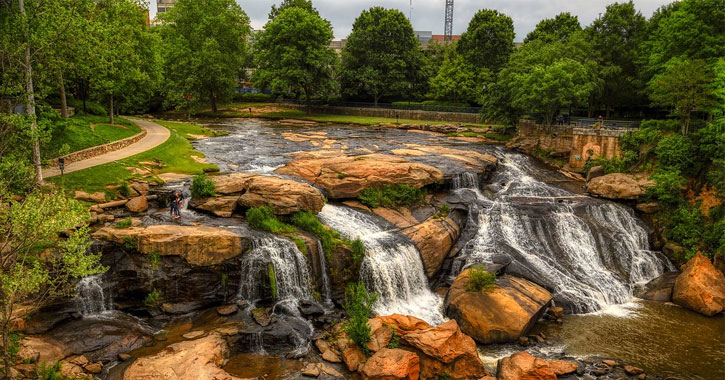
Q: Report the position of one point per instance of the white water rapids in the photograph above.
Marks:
(392, 267)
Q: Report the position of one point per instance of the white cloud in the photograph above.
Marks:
(429, 14)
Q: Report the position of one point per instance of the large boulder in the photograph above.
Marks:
(522, 365)
(392, 364)
(434, 239)
(348, 176)
(619, 186)
(198, 245)
(700, 287)
(502, 314)
(441, 349)
(188, 360)
(285, 196)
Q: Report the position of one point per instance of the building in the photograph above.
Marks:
(424, 37)
(163, 6)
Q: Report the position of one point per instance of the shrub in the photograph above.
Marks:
(154, 259)
(263, 218)
(358, 305)
(391, 196)
(684, 226)
(480, 279)
(125, 189)
(48, 372)
(92, 108)
(124, 223)
(300, 244)
(358, 250)
(330, 239)
(668, 187)
(443, 211)
(153, 299)
(130, 243)
(202, 187)
(394, 339)
(675, 152)
(713, 234)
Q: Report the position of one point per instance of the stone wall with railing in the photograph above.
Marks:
(98, 150)
(391, 113)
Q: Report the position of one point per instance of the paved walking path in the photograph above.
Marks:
(155, 136)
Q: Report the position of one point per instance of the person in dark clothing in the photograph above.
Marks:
(175, 204)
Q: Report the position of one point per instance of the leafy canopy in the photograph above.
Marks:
(555, 29)
(488, 41)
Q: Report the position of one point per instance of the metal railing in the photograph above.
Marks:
(399, 106)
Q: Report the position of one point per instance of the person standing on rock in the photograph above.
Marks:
(175, 204)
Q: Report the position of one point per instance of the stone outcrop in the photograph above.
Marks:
(441, 349)
(198, 245)
(285, 196)
(474, 161)
(189, 360)
(434, 239)
(392, 364)
(522, 365)
(700, 287)
(502, 314)
(348, 176)
(619, 186)
(660, 288)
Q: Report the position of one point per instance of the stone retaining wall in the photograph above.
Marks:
(454, 117)
(592, 143)
(98, 150)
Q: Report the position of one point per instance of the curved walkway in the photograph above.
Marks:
(155, 136)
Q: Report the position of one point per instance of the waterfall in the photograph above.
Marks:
(392, 267)
(465, 180)
(588, 252)
(91, 299)
(291, 275)
(326, 287)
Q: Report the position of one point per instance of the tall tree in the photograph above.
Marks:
(289, 62)
(458, 81)
(488, 41)
(555, 29)
(381, 56)
(204, 45)
(616, 38)
(685, 85)
(303, 4)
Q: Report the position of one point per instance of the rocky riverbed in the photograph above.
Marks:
(207, 296)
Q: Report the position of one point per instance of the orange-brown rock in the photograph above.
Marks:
(220, 206)
(392, 364)
(138, 204)
(41, 349)
(403, 324)
(380, 334)
(476, 161)
(188, 360)
(522, 365)
(285, 196)
(619, 186)
(700, 287)
(198, 245)
(434, 239)
(347, 176)
(562, 367)
(502, 314)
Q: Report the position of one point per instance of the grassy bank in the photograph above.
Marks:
(176, 155)
(81, 132)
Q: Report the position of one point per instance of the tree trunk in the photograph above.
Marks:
(606, 113)
(212, 99)
(63, 99)
(30, 106)
(376, 97)
(110, 109)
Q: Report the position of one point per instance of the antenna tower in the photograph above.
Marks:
(449, 20)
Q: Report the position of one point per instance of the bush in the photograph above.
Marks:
(154, 259)
(684, 226)
(130, 243)
(443, 211)
(358, 251)
(125, 223)
(675, 152)
(202, 187)
(263, 218)
(394, 339)
(668, 187)
(330, 239)
(391, 196)
(480, 279)
(252, 98)
(92, 108)
(48, 372)
(153, 299)
(358, 305)
(713, 234)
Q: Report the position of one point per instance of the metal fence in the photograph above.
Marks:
(399, 106)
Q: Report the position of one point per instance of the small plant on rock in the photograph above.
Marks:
(153, 299)
(202, 187)
(358, 251)
(358, 306)
(272, 280)
(125, 223)
(394, 339)
(480, 279)
(263, 218)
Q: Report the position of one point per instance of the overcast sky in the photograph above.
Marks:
(429, 14)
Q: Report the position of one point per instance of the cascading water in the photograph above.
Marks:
(91, 300)
(326, 287)
(281, 257)
(588, 252)
(392, 267)
(466, 180)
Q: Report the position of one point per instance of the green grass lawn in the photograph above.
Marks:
(173, 156)
(81, 132)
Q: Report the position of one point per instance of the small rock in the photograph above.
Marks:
(78, 360)
(524, 341)
(600, 371)
(329, 371)
(262, 317)
(193, 335)
(28, 370)
(609, 362)
(549, 343)
(556, 312)
(94, 367)
(331, 357)
(311, 370)
(124, 357)
(642, 376)
(138, 204)
(632, 370)
(227, 310)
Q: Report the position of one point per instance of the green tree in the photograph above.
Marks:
(287, 62)
(358, 305)
(458, 81)
(42, 253)
(686, 86)
(381, 57)
(303, 4)
(489, 40)
(555, 29)
(204, 45)
(616, 38)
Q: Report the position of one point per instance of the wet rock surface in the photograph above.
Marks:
(700, 287)
(619, 186)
